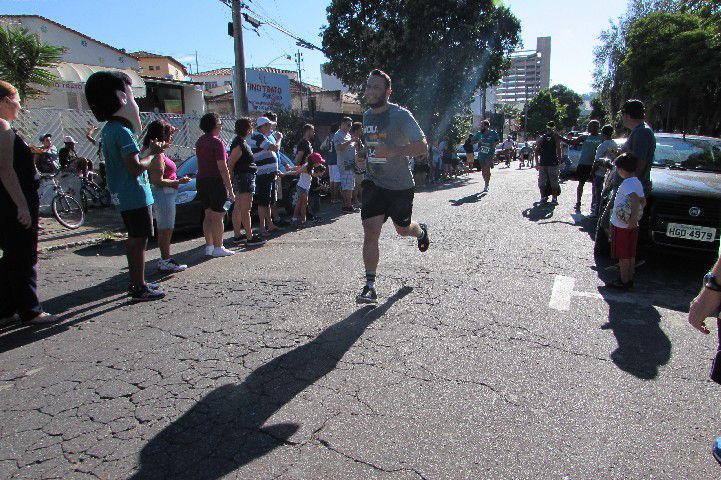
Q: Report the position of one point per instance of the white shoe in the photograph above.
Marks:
(209, 250)
(44, 318)
(170, 265)
(222, 252)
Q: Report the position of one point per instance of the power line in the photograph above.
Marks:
(264, 19)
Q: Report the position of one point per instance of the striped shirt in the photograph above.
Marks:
(266, 160)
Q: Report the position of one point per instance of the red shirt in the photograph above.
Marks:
(210, 150)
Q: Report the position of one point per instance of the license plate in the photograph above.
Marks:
(691, 232)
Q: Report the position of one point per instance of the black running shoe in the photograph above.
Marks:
(368, 295)
(145, 294)
(256, 241)
(424, 242)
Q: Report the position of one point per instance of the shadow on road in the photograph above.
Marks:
(643, 346)
(539, 211)
(475, 198)
(226, 429)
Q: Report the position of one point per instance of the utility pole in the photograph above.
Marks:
(299, 59)
(196, 62)
(240, 93)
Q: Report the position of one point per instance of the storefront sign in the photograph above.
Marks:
(267, 91)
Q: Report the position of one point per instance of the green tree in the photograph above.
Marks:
(598, 111)
(459, 128)
(672, 61)
(572, 102)
(437, 53)
(542, 109)
(23, 59)
(610, 76)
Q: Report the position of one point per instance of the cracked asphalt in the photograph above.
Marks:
(262, 365)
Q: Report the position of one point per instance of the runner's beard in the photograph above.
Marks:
(380, 103)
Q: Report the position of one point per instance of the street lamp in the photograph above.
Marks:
(286, 56)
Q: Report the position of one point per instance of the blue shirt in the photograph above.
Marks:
(588, 150)
(486, 143)
(128, 192)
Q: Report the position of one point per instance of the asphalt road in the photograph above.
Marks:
(493, 355)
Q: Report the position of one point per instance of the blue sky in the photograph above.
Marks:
(180, 27)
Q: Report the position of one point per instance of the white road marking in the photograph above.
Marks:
(563, 292)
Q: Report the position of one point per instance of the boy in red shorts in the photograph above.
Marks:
(626, 213)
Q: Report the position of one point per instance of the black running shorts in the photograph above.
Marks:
(138, 222)
(396, 204)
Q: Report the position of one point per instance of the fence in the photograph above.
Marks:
(32, 123)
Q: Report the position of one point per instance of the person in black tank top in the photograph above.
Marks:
(19, 209)
(548, 152)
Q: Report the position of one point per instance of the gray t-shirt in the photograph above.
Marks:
(346, 158)
(395, 127)
(642, 143)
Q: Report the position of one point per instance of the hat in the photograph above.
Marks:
(47, 135)
(69, 139)
(260, 121)
(315, 158)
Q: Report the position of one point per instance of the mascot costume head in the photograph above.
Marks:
(110, 96)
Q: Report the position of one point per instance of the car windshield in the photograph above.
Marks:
(689, 153)
(188, 167)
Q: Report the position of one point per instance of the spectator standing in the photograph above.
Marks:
(333, 172)
(626, 213)
(282, 166)
(641, 141)
(359, 169)
(19, 211)
(345, 158)
(548, 154)
(589, 144)
(605, 152)
(111, 100)
(164, 186)
(313, 167)
(265, 149)
(213, 184)
(470, 155)
(243, 169)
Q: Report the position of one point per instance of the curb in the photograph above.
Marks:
(80, 243)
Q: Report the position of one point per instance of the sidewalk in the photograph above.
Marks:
(100, 224)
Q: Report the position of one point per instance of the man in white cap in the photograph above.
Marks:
(265, 150)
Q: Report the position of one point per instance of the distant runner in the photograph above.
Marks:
(487, 140)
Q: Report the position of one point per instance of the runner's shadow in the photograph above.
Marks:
(539, 211)
(475, 198)
(643, 346)
(227, 428)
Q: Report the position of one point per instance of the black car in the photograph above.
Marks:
(683, 211)
(189, 211)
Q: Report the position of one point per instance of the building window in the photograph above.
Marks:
(209, 85)
(150, 68)
(228, 82)
(157, 67)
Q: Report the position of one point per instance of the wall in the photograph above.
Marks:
(194, 101)
(543, 46)
(80, 49)
(166, 68)
(219, 79)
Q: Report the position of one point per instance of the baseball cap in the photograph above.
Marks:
(69, 139)
(260, 121)
(315, 158)
(47, 135)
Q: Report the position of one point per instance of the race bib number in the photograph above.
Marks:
(372, 154)
(484, 149)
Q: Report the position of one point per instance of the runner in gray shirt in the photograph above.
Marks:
(391, 135)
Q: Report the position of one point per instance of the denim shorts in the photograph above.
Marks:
(164, 207)
(244, 183)
(347, 180)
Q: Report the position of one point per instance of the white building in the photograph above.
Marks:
(84, 56)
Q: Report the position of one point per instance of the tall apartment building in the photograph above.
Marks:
(530, 73)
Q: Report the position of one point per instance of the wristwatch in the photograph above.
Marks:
(709, 281)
